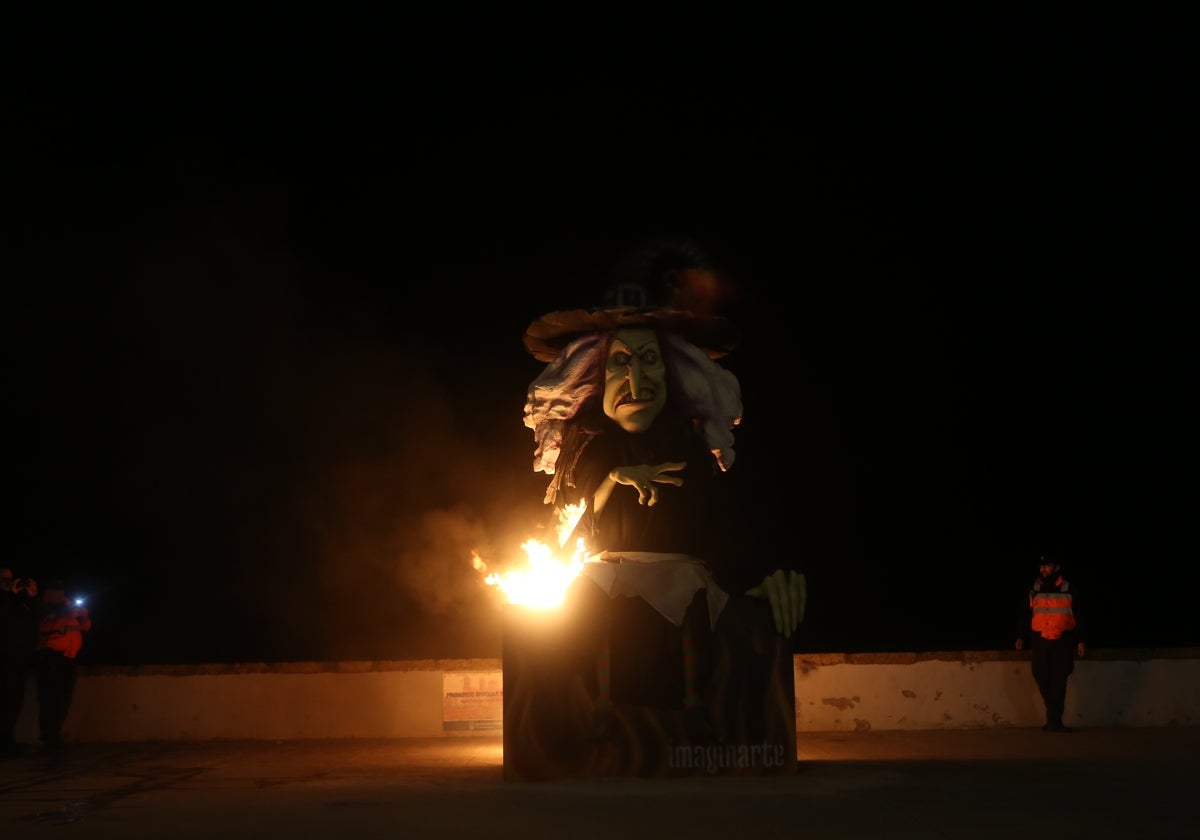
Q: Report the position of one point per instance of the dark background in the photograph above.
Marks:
(270, 280)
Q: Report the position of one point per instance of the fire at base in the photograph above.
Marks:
(543, 582)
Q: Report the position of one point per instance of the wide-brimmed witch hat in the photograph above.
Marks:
(668, 283)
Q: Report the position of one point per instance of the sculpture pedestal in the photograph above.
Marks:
(558, 722)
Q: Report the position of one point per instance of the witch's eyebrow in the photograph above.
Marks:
(649, 342)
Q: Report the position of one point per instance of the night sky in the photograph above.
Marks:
(266, 318)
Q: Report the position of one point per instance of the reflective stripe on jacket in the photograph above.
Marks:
(1052, 612)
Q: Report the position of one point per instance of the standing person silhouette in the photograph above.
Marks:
(61, 630)
(1051, 617)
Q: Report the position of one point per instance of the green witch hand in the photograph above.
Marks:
(788, 594)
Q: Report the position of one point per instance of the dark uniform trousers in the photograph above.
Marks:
(1052, 661)
(56, 685)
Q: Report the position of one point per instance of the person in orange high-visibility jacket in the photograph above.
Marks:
(1050, 617)
(63, 624)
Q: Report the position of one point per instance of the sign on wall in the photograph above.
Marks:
(473, 700)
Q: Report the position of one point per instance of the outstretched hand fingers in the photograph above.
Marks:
(659, 475)
(787, 593)
(644, 477)
(661, 472)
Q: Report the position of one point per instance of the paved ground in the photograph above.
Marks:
(993, 783)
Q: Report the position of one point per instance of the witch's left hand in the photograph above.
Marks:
(787, 592)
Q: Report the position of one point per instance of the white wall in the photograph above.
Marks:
(969, 691)
(834, 692)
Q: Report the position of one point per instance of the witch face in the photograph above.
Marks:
(635, 379)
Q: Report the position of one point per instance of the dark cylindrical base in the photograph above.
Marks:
(596, 689)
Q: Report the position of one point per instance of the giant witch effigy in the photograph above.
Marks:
(670, 654)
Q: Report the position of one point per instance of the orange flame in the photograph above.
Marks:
(542, 583)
